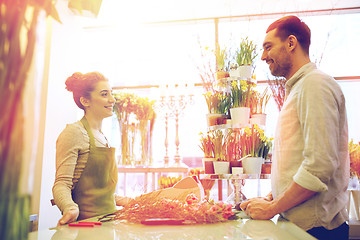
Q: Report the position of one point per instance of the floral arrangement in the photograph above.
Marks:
(241, 93)
(207, 144)
(192, 209)
(219, 144)
(134, 113)
(259, 101)
(217, 102)
(166, 182)
(354, 154)
(246, 53)
(253, 142)
(222, 59)
(213, 144)
(232, 145)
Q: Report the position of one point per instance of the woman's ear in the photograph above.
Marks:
(84, 101)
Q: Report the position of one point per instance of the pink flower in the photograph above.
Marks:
(191, 199)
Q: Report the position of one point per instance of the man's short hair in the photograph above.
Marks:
(292, 25)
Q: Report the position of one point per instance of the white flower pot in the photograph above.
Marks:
(245, 71)
(252, 165)
(234, 73)
(221, 167)
(258, 119)
(240, 115)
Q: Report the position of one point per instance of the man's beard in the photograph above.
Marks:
(282, 67)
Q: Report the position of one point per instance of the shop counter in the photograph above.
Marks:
(275, 228)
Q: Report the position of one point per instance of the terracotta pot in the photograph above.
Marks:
(208, 165)
(216, 119)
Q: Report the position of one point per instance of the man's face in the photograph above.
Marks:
(276, 55)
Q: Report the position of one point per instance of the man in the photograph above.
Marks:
(310, 170)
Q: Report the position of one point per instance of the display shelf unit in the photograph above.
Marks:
(237, 181)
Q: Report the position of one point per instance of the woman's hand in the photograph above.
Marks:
(69, 216)
(122, 201)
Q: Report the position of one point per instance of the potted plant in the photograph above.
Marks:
(221, 166)
(254, 143)
(232, 148)
(245, 57)
(259, 103)
(207, 146)
(240, 101)
(218, 104)
(222, 62)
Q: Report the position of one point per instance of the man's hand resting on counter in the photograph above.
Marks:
(259, 208)
(266, 208)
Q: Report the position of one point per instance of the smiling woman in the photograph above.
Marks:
(85, 163)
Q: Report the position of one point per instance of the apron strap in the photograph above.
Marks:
(88, 129)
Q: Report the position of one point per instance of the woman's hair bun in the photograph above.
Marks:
(73, 82)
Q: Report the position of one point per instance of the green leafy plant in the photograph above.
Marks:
(246, 53)
(254, 142)
(241, 93)
(217, 102)
(18, 31)
(223, 59)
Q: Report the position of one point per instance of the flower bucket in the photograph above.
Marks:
(208, 164)
(258, 119)
(240, 115)
(215, 119)
(237, 170)
(245, 71)
(234, 73)
(221, 167)
(252, 165)
(234, 164)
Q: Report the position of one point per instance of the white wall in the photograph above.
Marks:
(60, 110)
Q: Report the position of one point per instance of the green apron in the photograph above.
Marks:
(94, 192)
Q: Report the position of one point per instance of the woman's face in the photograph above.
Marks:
(101, 100)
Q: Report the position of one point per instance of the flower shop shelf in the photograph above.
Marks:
(152, 171)
(237, 180)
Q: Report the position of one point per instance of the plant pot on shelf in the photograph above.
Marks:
(258, 119)
(234, 73)
(221, 75)
(266, 168)
(208, 164)
(221, 167)
(252, 165)
(235, 164)
(245, 71)
(215, 119)
(240, 115)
